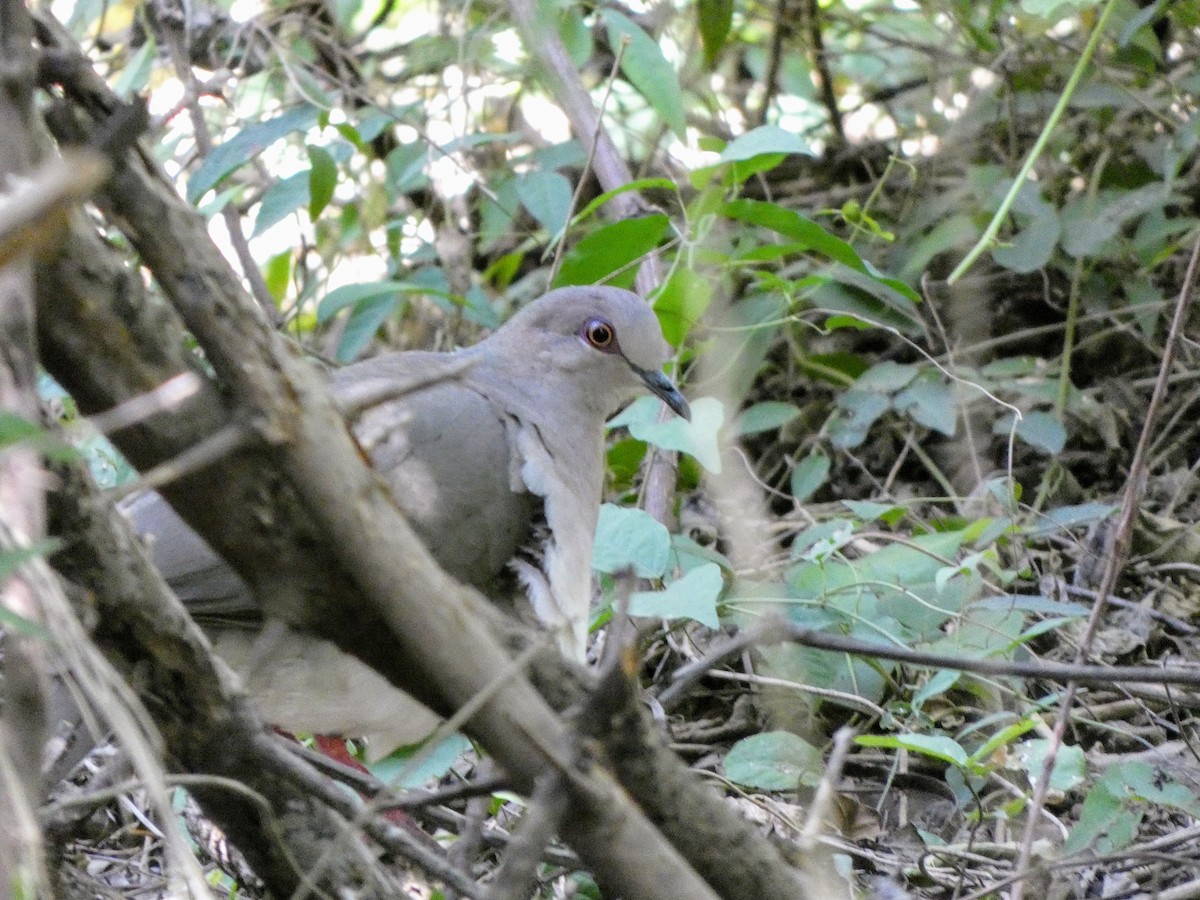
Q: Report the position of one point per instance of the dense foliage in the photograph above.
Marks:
(919, 261)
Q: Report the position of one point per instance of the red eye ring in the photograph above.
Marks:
(599, 334)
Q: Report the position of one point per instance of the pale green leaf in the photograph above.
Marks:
(322, 179)
(774, 761)
(630, 539)
(647, 69)
(764, 139)
(1038, 429)
(694, 596)
(1070, 764)
(547, 196)
(697, 437)
(931, 745)
(282, 199)
(930, 402)
(765, 416)
(245, 145)
(808, 475)
(1032, 247)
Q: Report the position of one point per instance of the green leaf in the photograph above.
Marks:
(1070, 764)
(931, 745)
(1113, 808)
(796, 227)
(765, 416)
(245, 145)
(864, 408)
(1003, 738)
(808, 233)
(1064, 518)
(818, 542)
(716, 18)
(886, 377)
(697, 437)
(630, 538)
(893, 294)
(282, 199)
(1060, 8)
(351, 294)
(11, 621)
(15, 428)
(405, 169)
(364, 322)
(647, 69)
(1038, 429)
(135, 74)
(1089, 222)
(774, 761)
(277, 274)
(681, 303)
(574, 31)
(869, 510)
(694, 596)
(394, 770)
(612, 248)
(322, 179)
(13, 558)
(809, 475)
(930, 402)
(1031, 249)
(547, 196)
(764, 139)
(938, 684)
(1105, 823)
(639, 184)
(1042, 606)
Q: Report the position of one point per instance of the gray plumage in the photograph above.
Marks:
(495, 454)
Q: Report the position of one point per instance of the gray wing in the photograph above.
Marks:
(446, 451)
(197, 575)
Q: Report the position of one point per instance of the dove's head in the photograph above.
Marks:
(605, 338)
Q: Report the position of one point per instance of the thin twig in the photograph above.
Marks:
(1117, 552)
(593, 143)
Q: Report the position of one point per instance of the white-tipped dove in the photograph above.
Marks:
(496, 455)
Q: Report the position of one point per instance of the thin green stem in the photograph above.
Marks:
(989, 235)
(1072, 323)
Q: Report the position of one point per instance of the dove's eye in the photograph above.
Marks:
(599, 334)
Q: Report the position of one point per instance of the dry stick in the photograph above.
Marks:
(770, 81)
(822, 802)
(1117, 554)
(1063, 672)
(390, 836)
(591, 156)
(543, 42)
(221, 443)
(812, 24)
(376, 546)
(29, 214)
(517, 875)
(774, 631)
(167, 397)
(204, 143)
(514, 669)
